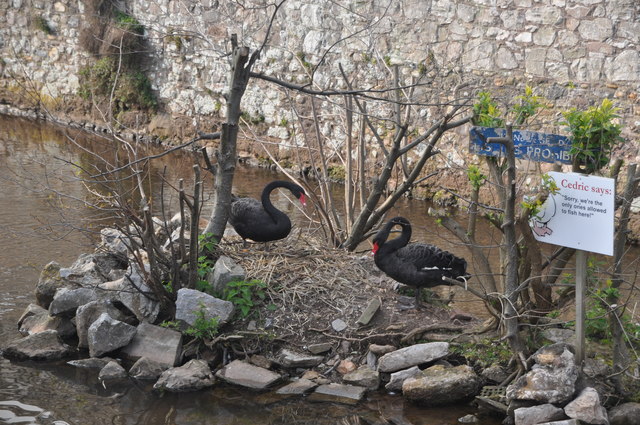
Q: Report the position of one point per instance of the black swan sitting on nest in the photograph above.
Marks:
(419, 265)
(260, 221)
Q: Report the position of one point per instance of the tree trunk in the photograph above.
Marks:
(226, 154)
(511, 247)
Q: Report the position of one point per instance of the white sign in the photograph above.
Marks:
(580, 215)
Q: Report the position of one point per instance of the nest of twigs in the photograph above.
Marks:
(308, 287)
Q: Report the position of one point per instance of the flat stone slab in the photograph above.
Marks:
(397, 378)
(414, 355)
(292, 359)
(192, 376)
(45, 345)
(90, 363)
(320, 348)
(161, 345)
(247, 375)
(298, 387)
(364, 376)
(368, 313)
(339, 393)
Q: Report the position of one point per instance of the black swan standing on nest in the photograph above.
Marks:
(260, 221)
(419, 265)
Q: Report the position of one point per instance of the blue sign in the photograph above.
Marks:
(538, 147)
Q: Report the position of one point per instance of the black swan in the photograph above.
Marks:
(260, 221)
(418, 264)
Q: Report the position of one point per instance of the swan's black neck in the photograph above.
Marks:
(266, 193)
(398, 242)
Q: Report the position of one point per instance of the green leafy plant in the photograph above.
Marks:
(337, 172)
(40, 23)
(168, 286)
(245, 294)
(534, 204)
(485, 353)
(527, 106)
(207, 243)
(253, 119)
(134, 91)
(475, 176)
(422, 69)
(132, 88)
(486, 112)
(303, 60)
(175, 39)
(128, 22)
(203, 327)
(594, 134)
(170, 324)
(205, 265)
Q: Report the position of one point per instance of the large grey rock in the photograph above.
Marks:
(89, 313)
(107, 334)
(49, 282)
(66, 301)
(348, 394)
(292, 359)
(224, 271)
(397, 378)
(413, 356)
(439, 385)
(247, 375)
(146, 368)
(495, 374)
(556, 335)
(45, 345)
(36, 319)
(90, 270)
(132, 291)
(115, 241)
(113, 371)
(364, 376)
(538, 414)
(587, 408)
(161, 345)
(192, 376)
(625, 414)
(190, 301)
(551, 380)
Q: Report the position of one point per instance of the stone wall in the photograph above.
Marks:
(574, 52)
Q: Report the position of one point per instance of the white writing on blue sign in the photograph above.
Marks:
(531, 145)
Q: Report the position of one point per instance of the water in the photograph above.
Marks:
(38, 226)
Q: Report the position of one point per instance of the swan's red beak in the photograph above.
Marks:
(303, 200)
(375, 248)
